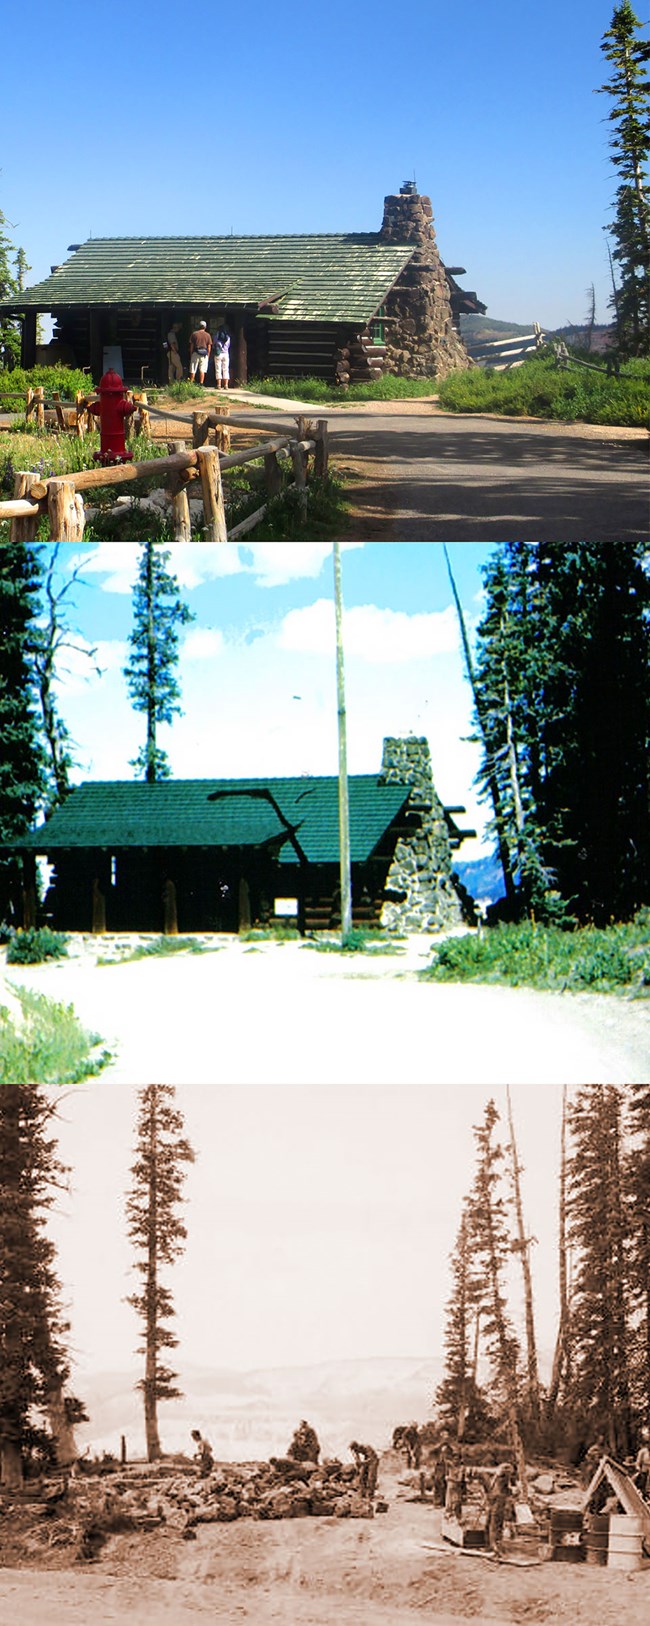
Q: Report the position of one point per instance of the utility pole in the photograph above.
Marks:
(344, 810)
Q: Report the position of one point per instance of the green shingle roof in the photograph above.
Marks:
(327, 278)
(116, 814)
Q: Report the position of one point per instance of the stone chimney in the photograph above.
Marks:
(421, 338)
(421, 895)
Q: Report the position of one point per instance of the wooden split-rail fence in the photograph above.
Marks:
(61, 498)
(502, 355)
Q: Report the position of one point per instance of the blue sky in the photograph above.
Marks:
(159, 121)
(257, 666)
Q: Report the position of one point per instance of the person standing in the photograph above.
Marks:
(221, 353)
(200, 347)
(642, 1464)
(174, 362)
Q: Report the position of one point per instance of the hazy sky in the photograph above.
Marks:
(319, 1220)
(213, 121)
(257, 665)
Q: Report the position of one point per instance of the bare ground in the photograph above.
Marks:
(317, 1572)
(266, 1013)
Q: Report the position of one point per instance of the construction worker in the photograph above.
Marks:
(500, 1505)
(305, 1445)
(367, 1463)
(202, 1454)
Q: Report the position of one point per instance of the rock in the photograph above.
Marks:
(544, 1484)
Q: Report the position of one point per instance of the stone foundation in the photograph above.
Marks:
(420, 876)
(420, 336)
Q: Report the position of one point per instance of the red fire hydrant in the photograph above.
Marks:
(112, 409)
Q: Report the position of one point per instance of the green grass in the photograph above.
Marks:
(325, 519)
(275, 932)
(361, 940)
(540, 389)
(158, 948)
(615, 959)
(388, 388)
(49, 1045)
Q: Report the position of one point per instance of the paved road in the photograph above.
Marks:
(437, 478)
(320, 1019)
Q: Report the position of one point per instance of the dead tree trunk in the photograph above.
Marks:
(523, 1248)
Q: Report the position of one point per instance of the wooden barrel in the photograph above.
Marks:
(597, 1537)
(566, 1535)
(625, 1550)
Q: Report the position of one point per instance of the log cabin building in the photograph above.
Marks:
(339, 306)
(221, 854)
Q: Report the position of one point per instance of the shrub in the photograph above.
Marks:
(388, 388)
(65, 380)
(49, 1046)
(38, 944)
(529, 955)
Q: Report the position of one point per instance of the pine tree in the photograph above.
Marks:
(461, 1403)
(629, 88)
(11, 284)
(490, 1241)
(563, 672)
(600, 1321)
(158, 613)
(158, 1233)
(33, 1360)
(50, 640)
(22, 767)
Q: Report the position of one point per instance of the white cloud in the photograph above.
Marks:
(372, 634)
(275, 563)
(271, 564)
(202, 643)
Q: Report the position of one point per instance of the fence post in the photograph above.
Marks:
(272, 474)
(24, 529)
(213, 504)
(321, 455)
(299, 460)
(29, 403)
(39, 396)
(181, 524)
(58, 409)
(65, 509)
(79, 424)
(222, 431)
(200, 428)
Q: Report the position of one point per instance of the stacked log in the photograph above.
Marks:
(342, 365)
(367, 359)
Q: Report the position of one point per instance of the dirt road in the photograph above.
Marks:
(423, 476)
(314, 1572)
(269, 1013)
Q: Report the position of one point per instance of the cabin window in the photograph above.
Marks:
(113, 871)
(377, 326)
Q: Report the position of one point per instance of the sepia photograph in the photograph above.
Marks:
(280, 1354)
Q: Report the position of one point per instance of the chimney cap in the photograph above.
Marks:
(409, 189)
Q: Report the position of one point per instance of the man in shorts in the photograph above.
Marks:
(200, 347)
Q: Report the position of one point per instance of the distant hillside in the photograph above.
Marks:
(483, 878)
(252, 1415)
(474, 328)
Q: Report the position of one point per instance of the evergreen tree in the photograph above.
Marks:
(461, 1403)
(563, 673)
(490, 1241)
(13, 266)
(158, 1233)
(158, 612)
(600, 1322)
(33, 1360)
(629, 88)
(22, 768)
(522, 1247)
